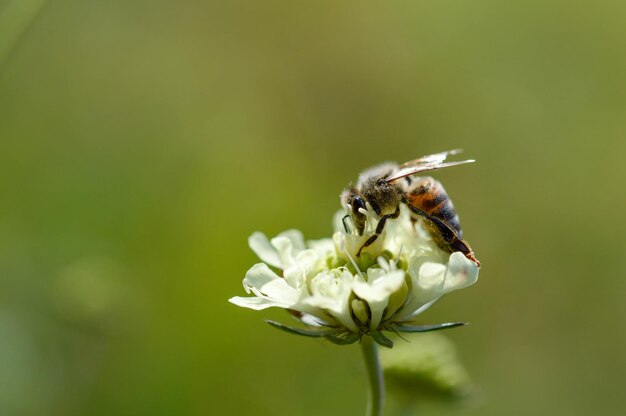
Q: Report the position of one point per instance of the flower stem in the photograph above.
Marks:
(376, 395)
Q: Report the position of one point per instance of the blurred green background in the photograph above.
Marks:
(141, 142)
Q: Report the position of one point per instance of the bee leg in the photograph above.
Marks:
(379, 229)
(445, 236)
(463, 247)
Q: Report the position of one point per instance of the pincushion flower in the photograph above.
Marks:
(341, 297)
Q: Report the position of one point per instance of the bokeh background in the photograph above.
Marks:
(141, 142)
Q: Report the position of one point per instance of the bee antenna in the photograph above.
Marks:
(345, 225)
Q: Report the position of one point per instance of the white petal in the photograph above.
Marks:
(379, 285)
(258, 276)
(288, 244)
(427, 281)
(255, 303)
(376, 291)
(296, 238)
(323, 248)
(264, 283)
(269, 290)
(331, 293)
(307, 260)
(431, 277)
(431, 280)
(297, 270)
(285, 249)
(280, 291)
(281, 250)
(462, 272)
(295, 276)
(260, 244)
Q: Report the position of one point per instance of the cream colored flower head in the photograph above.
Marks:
(341, 297)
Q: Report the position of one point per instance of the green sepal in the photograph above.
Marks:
(382, 339)
(315, 333)
(425, 328)
(342, 338)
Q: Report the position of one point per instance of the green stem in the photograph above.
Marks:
(376, 397)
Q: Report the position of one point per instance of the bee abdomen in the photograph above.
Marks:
(429, 196)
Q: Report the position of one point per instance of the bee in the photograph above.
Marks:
(386, 186)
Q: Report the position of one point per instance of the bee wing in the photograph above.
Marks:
(412, 170)
(434, 158)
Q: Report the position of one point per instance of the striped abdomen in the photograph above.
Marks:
(429, 196)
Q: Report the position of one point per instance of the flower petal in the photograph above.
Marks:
(266, 284)
(304, 262)
(377, 290)
(255, 303)
(257, 276)
(280, 290)
(269, 290)
(431, 280)
(296, 238)
(331, 293)
(261, 245)
(427, 283)
(324, 247)
(462, 272)
(286, 250)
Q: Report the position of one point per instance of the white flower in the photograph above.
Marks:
(340, 296)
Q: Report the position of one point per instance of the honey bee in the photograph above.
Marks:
(386, 186)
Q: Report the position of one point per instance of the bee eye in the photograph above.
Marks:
(381, 182)
(357, 203)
